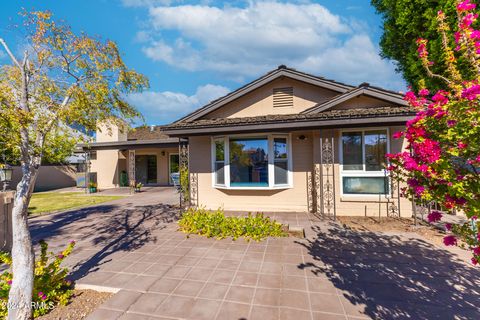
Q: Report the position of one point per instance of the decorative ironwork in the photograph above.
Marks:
(393, 210)
(194, 189)
(327, 195)
(311, 191)
(318, 188)
(131, 170)
(184, 170)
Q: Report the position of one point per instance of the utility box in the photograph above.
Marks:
(6, 205)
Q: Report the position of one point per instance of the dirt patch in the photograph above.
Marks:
(81, 305)
(386, 224)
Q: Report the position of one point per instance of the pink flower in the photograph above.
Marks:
(476, 251)
(397, 135)
(466, 6)
(450, 240)
(440, 97)
(72, 242)
(451, 123)
(428, 150)
(448, 226)
(471, 93)
(40, 294)
(474, 261)
(475, 34)
(457, 35)
(434, 216)
(468, 20)
(424, 92)
(60, 256)
(422, 48)
(9, 282)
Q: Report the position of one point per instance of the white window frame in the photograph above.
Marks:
(361, 173)
(271, 168)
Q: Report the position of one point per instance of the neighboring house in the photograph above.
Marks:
(290, 141)
(143, 155)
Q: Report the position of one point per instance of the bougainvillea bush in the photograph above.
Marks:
(51, 286)
(443, 164)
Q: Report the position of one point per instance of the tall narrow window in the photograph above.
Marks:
(375, 150)
(280, 160)
(352, 151)
(220, 161)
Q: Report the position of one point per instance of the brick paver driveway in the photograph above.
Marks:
(131, 247)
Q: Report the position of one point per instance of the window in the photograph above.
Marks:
(363, 162)
(220, 161)
(251, 161)
(280, 160)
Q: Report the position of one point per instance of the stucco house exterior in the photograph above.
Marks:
(144, 154)
(291, 141)
(286, 142)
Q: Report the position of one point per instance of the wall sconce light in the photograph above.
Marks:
(163, 153)
(302, 137)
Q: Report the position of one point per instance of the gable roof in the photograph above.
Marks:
(281, 71)
(363, 90)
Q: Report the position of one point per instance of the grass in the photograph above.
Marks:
(57, 201)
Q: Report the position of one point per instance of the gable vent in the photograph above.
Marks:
(283, 97)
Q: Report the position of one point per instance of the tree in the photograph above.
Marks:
(62, 79)
(403, 21)
(444, 137)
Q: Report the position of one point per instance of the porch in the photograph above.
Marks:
(123, 163)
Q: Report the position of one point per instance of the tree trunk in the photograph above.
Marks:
(20, 296)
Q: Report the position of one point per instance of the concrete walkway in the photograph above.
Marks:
(131, 247)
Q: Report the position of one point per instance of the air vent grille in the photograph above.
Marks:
(283, 97)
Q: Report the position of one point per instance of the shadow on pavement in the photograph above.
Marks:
(394, 278)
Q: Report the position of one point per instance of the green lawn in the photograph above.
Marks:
(57, 201)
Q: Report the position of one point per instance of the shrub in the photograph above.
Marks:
(50, 284)
(214, 224)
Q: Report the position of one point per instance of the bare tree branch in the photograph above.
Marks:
(5, 46)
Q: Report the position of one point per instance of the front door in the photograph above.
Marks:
(146, 169)
(173, 165)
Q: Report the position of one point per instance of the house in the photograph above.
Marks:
(291, 141)
(143, 155)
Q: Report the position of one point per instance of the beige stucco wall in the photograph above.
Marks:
(305, 155)
(49, 177)
(361, 102)
(107, 132)
(260, 102)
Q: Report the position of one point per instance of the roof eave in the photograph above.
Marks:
(293, 125)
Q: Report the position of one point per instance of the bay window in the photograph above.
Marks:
(256, 162)
(363, 162)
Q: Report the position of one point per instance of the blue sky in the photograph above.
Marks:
(196, 51)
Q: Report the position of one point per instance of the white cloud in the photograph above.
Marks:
(146, 3)
(244, 42)
(167, 106)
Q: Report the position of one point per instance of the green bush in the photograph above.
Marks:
(50, 284)
(214, 224)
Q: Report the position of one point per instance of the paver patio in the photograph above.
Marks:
(130, 246)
